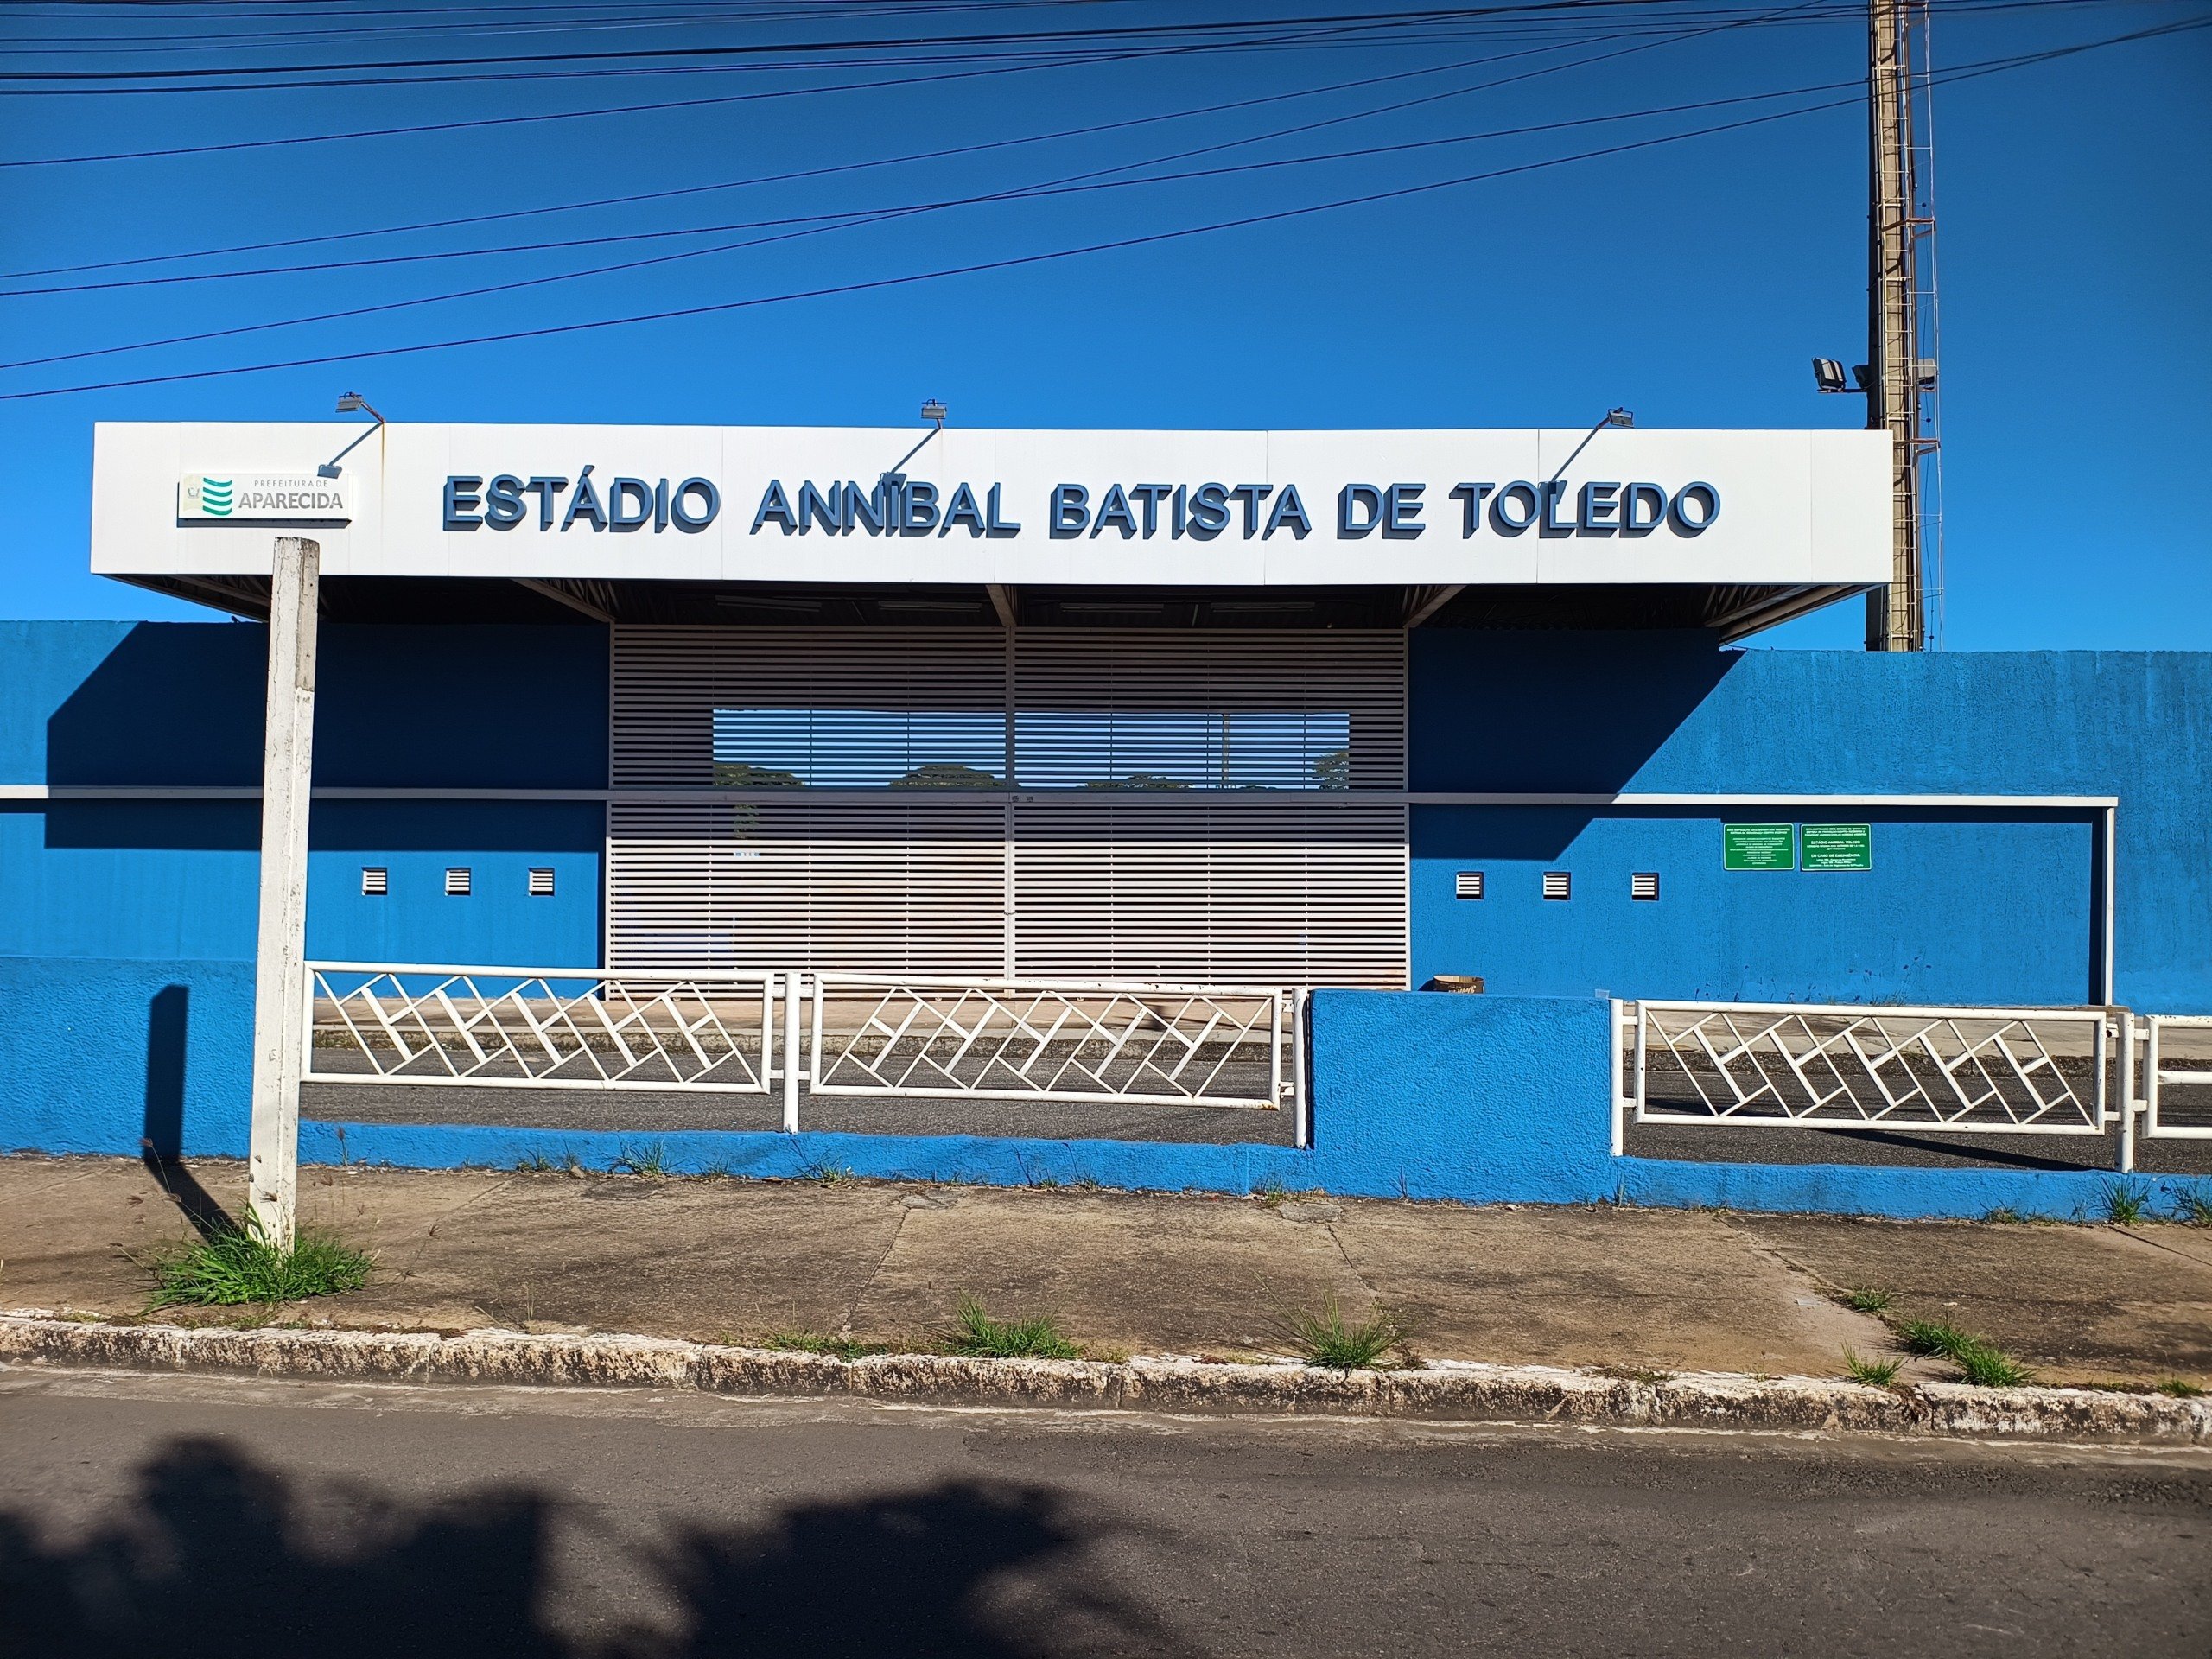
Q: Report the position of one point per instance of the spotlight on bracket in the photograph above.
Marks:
(1619, 417)
(349, 403)
(933, 409)
(1829, 376)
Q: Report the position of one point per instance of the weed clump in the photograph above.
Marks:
(650, 1161)
(1982, 1362)
(1325, 1337)
(2193, 1204)
(1874, 1373)
(976, 1335)
(2126, 1203)
(1866, 1298)
(2181, 1389)
(239, 1265)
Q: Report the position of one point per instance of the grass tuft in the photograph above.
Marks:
(1874, 1373)
(1930, 1337)
(2126, 1203)
(239, 1266)
(813, 1342)
(978, 1336)
(1991, 1368)
(2193, 1204)
(2181, 1389)
(536, 1163)
(1981, 1361)
(1325, 1338)
(828, 1175)
(1867, 1298)
(650, 1160)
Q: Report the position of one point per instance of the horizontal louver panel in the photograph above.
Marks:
(863, 888)
(1231, 708)
(1215, 891)
(1242, 854)
(668, 683)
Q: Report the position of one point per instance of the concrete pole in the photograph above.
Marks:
(1895, 618)
(280, 983)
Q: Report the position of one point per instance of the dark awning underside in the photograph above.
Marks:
(1732, 611)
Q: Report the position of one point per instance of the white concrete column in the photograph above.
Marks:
(280, 987)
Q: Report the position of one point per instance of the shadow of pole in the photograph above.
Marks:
(161, 1144)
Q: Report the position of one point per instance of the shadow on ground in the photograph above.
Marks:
(215, 1554)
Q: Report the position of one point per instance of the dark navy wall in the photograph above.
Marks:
(1993, 905)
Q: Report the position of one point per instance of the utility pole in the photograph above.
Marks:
(280, 979)
(1901, 382)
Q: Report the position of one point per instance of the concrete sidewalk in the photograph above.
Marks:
(1135, 1273)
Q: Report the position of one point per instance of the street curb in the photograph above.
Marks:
(1452, 1392)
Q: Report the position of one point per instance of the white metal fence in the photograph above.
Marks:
(885, 1037)
(1150, 1044)
(1929, 1070)
(1959, 1071)
(539, 1028)
(2177, 1076)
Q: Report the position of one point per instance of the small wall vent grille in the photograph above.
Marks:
(1644, 884)
(375, 882)
(541, 884)
(1468, 884)
(457, 883)
(1558, 884)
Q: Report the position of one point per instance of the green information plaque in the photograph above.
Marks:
(1838, 846)
(1759, 846)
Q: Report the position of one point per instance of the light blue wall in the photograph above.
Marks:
(1566, 713)
(99, 1054)
(162, 704)
(126, 928)
(1958, 908)
(499, 842)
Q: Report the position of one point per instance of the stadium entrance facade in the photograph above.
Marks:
(917, 714)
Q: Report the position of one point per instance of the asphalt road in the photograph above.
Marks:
(191, 1516)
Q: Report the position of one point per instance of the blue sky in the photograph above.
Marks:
(1689, 281)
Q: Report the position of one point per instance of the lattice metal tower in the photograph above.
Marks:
(1900, 396)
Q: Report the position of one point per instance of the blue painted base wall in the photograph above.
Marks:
(1480, 1100)
(101, 1055)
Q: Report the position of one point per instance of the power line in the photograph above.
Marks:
(1049, 255)
(1847, 11)
(818, 224)
(1049, 38)
(635, 198)
(421, 129)
(704, 230)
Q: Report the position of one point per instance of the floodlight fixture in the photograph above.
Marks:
(1619, 417)
(1827, 375)
(933, 409)
(349, 403)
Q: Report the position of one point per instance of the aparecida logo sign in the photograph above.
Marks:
(263, 497)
